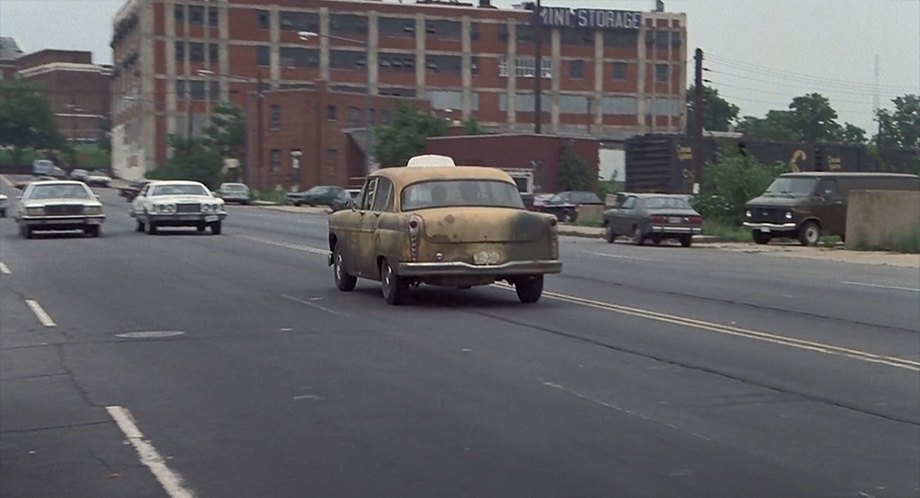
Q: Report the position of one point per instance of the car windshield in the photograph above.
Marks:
(790, 186)
(189, 189)
(234, 186)
(59, 191)
(321, 190)
(443, 193)
(667, 203)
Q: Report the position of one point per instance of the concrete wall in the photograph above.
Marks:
(874, 216)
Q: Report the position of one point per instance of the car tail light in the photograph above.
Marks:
(415, 224)
(695, 220)
(658, 219)
(553, 221)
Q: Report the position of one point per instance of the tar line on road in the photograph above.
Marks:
(171, 481)
(818, 347)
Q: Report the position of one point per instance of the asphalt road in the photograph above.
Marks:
(188, 364)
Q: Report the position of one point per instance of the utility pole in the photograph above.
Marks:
(538, 70)
(699, 109)
(259, 138)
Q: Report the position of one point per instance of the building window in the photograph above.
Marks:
(384, 117)
(213, 52)
(300, 21)
(621, 39)
(179, 13)
(619, 71)
(212, 16)
(524, 67)
(264, 56)
(180, 50)
(276, 160)
(331, 113)
(299, 57)
(354, 116)
(347, 24)
(263, 19)
(395, 26)
(443, 29)
(662, 72)
(396, 61)
(577, 69)
(274, 117)
(347, 59)
(196, 14)
(332, 156)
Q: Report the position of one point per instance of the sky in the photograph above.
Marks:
(759, 53)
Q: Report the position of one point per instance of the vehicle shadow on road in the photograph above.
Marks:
(432, 297)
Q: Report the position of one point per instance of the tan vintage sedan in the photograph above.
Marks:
(434, 223)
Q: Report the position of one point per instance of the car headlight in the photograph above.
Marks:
(788, 215)
(205, 208)
(166, 208)
(747, 214)
(35, 211)
(92, 210)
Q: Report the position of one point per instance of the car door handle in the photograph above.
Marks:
(377, 214)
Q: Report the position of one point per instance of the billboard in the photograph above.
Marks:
(590, 18)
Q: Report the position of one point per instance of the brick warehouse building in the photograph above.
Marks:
(78, 90)
(610, 81)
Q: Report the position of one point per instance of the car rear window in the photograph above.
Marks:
(666, 203)
(444, 193)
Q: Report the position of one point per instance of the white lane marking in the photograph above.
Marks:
(4, 269)
(307, 249)
(6, 181)
(877, 286)
(828, 349)
(172, 483)
(43, 317)
(313, 305)
(618, 256)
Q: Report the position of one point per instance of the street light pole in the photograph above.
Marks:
(368, 94)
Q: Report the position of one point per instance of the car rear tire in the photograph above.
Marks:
(216, 228)
(140, 227)
(92, 231)
(151, 227)
(609, 235)
(638, 237)
(529, 289)
(343, 281)
(686, 240)
(761, 237)
(393, 286)
(810, 233)
(569, 217)
(201, 228)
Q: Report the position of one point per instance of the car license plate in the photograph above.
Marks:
(486, 258)
(674, 219)
(210, 219)
(764, 229)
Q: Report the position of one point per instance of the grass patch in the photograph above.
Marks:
(590, 221)
(830, 240)
(907, 240)
(726, 231)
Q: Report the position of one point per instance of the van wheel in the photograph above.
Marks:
(393, 286)
(810, 233)
(529, 289)
(761, 237)
(609, 234)
(343, 281)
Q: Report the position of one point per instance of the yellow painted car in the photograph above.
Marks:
(435, 223)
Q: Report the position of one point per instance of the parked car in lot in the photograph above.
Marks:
(564, 205)
(654, 217)
(4, 202)
(130, 192)
(234, 192)
(438, 224)
(59, 205)
(809, 205)
(98, 179)
(320, 195)
(177, 204)
(46, 168)
(79, 175)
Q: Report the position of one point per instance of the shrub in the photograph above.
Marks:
(730, 182)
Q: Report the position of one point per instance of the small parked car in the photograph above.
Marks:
(435, 223)
(59, 205)
(79, 175)
(98, 179)
(46, 168)
(175, 203)
(654, 217)
(320, 195)
(809, 205)
(234, 192)
(4, 202)
(564, 205)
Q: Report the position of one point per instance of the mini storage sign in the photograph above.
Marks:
(590, 18)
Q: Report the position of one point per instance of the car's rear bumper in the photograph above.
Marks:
(665, 230)
(461, 268)
(62, 222)
(770, 227)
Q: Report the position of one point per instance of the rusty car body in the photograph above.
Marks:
(455, 226)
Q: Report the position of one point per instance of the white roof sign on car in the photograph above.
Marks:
(430, 161)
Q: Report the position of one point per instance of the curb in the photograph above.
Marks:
(697, 239)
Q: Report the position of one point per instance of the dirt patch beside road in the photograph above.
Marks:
(823, 253)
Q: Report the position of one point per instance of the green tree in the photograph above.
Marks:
(719, 113)
(472, 127)
(852, 134)
(900, 127)
(574, 173)
(26, 119)
(404, 136)
(777, 125)
(192, 159)
(227, 131)
(731, 181)
(813, 119)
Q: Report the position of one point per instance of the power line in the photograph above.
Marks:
(783, 94)
(774, 103)
(761, 80)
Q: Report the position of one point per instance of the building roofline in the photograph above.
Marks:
(64, 66)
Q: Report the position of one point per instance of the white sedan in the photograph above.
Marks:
(177, 204)
(59, 205)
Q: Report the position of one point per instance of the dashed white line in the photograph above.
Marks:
(43, 317)
(877, 286)
(313, 305)
(618, 256)
(296, 247)
(171, 481)
(5, 270)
